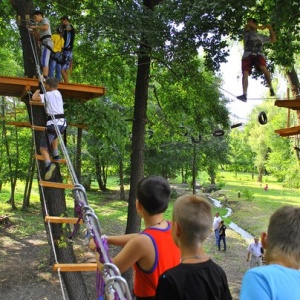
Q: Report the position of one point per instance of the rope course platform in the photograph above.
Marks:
(288, 131)
(292, 104)
(18, 87)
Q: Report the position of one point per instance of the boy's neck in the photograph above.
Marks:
(153, 221)
(193, 256)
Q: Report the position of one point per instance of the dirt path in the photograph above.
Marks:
(25, 273)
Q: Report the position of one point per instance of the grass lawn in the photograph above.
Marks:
(250, 213)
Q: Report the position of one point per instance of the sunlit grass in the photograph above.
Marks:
(252, 215)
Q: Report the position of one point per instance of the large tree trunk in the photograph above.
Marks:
(121, 176)
(294, 85)
(52, 197)
(138, 137)
(24, 9)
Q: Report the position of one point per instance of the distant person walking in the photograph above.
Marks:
(253, 54)
(216, 225)
(222, 236)
(255, 253)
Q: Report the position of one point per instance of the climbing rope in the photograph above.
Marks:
(115, 285)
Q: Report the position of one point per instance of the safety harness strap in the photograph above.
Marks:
(47, 36)
(58, 116)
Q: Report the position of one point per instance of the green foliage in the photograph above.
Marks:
(248, 194)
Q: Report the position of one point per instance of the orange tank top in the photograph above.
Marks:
(167, 255)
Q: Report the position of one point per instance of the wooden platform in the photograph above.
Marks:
(292, 104)
(18, 87)
(288, 131)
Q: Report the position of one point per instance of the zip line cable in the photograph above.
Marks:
(116, 286)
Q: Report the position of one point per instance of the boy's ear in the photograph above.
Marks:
(264, 240)
(137, 204)
(177, 229)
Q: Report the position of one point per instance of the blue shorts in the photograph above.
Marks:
(51, 135)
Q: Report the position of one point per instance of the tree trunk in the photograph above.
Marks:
(260, 174)
(121, 177)
(295, 86)
(24, 8)
(194, 169)
(100, 174)
(29, 179)
(52, 200)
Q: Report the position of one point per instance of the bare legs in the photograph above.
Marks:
(64, 74)
(267, 75)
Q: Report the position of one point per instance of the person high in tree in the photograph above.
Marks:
(253, 54)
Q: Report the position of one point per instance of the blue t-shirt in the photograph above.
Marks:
(271, 282)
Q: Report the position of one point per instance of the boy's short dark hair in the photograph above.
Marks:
(65, 17)
(253, 20)
(37, 12)
(154, 192)
(52, 82)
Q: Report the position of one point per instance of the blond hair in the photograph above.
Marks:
(194, 215)
(284, 236)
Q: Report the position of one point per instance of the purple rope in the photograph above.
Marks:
(100, 284)
(76, 226)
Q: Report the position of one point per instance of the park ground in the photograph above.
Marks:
(25, 272)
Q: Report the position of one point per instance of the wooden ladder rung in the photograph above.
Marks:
(57, 185)
(62, 220)
(39, 128)
(40, 157)
(76, 267)
(18, 124)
